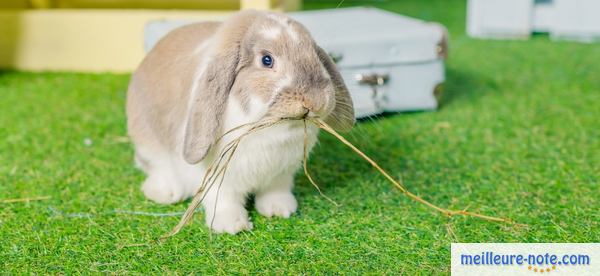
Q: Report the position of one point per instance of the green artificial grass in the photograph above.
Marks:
(517, 136)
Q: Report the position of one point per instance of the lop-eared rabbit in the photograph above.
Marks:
(204, 79)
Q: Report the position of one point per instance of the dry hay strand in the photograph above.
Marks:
(26, 199)
(215, 173)
(321, 124)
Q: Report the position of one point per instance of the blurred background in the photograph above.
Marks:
(107, 35)
(98, 35)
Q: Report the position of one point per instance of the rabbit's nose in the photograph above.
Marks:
(313, 108)
(298, 111)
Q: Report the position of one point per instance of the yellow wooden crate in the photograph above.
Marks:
(97, 35)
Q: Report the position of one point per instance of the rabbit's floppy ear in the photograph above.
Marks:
(209, 100)
(342, 117)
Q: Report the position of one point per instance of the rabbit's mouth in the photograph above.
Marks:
(305, 114)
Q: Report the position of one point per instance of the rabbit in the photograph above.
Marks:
(204, 79)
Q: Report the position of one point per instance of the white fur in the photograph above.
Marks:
(264, 164)
(279, 86)
(271, 33)
(291, 32)
(282, 21)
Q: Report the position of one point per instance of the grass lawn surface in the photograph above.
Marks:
(517, 136)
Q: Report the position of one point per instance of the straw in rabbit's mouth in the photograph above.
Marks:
(216, 171)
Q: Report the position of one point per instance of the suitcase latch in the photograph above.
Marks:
(373, 80)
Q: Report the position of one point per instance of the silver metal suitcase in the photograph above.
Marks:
(389, 62)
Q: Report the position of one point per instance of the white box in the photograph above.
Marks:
(389, 62)
(499, 18)
(577, 20)
(517, 19)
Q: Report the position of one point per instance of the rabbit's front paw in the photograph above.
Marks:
(230, 220)
(163, 190)
(280, 204)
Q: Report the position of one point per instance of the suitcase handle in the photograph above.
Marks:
(372, 79)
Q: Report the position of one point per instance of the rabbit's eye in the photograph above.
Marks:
(267, 61)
